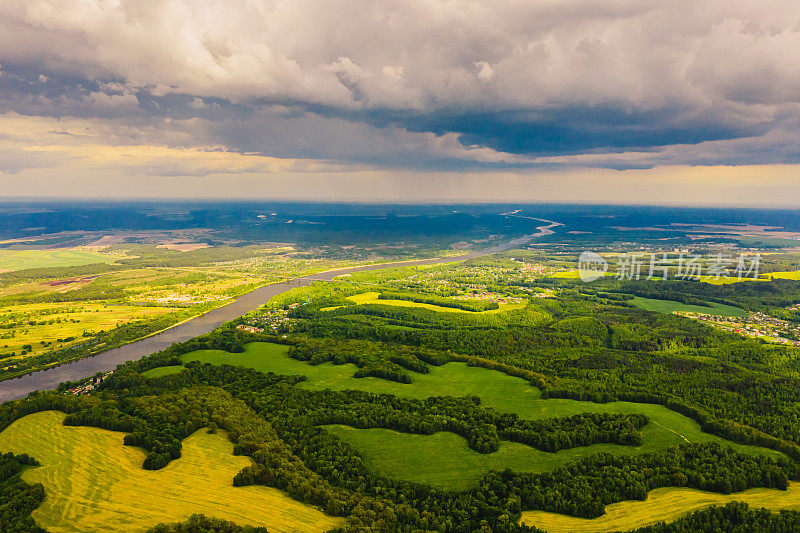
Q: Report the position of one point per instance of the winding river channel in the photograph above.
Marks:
(105, 361)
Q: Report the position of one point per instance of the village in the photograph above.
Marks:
(89, 386)
(274, 319)
(757, 325)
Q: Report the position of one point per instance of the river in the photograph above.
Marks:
(109, 360)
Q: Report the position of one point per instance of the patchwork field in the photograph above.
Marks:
(669, 306)
(661, 505)
(94, 483)
(22, 259)
(450, 464)
(372, 298)
(44, 327)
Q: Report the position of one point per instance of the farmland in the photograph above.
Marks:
(11, 259)
(45, 327)
(94, 483)
(372, 298)
(68, 311)
(661, 505)
(669, 306)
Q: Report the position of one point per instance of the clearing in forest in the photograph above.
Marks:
(94, 483)
(372, 298)
(669, 306)
(446, 463)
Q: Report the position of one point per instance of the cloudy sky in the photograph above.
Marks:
(670, 101)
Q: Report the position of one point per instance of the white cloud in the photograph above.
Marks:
(644, 54)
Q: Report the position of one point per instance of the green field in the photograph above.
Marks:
(162, 371)
(500, 391)
(372, 298)
(22, 259)
(669, 306)
(662, 505)
(93, 483)
(67, 320)
(442, 460)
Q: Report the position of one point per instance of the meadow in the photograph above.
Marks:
(93, 483)
(450, 464)
(669, 306)
(372, 298)
(442, 460)
(163, 371)
(47, 319)
(662, 505)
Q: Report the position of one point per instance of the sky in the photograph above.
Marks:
(590, 101)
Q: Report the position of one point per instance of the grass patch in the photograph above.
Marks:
(669, 306)
(41, 325)
(162, 371)
(372, 298)
(94, 483)
(24, 259)
(662, 505)
(442, 460)
(500, 391)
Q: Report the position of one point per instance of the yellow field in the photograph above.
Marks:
(711, 280)
(783, 275)
(569, 274)
(94, 483)
(185, 285)
(661, 505)
(372, 298)
(574, 274)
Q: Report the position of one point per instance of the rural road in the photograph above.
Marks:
(16, 388)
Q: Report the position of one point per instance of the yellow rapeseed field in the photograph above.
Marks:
(94, 483)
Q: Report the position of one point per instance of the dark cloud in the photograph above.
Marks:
(422, 84)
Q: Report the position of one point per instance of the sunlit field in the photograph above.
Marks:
(669, 306)
(94, 483)
(662, 505)
(22, 259)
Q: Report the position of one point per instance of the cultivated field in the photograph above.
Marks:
(48, 326)
(162, 371)
(794, 275)
(502, 392)
(94, 483)
(372, 298)
(662, 505)
(668, 306)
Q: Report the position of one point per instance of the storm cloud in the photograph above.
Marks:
(419, 84)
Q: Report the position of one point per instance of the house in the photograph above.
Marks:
(249, 329)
